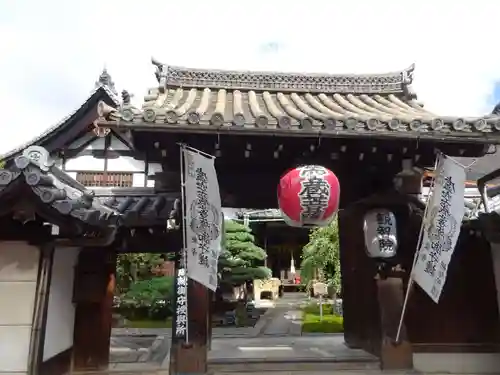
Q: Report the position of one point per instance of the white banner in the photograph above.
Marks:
(441, 229)
(203, 218)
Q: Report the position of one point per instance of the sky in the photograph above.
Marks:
(52, 51)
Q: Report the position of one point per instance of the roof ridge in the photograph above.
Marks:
(407, 72)
(62, 121)
(389, 82)
(107, 82)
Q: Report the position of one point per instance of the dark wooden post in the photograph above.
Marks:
(93, 295)
(188, 354)
(187, 357)
(190, 357)
(211, 296)
(390, 293)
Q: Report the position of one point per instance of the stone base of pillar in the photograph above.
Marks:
(391, 295)
(188, 359)
(395, 356)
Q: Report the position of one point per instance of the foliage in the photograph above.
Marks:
(322, 254)
(312, 322)
(240, 257)
(152, 298)
(148, 291)
(132, 267)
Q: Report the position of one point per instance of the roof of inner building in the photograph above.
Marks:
(104, 91)
(66, 197)
(339, 105)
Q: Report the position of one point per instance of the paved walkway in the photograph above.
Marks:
(269, 353)
(277, 335)
(286, 347)
(285, 319)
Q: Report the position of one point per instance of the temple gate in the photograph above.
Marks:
(369, 129)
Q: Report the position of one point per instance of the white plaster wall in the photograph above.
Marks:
(72, 175)
(88, 163)
(457, 363)
(61, 311)
(126, 164)
(84, 163)
(19, 265)
(81, 141)
(152, 169)
(117, 145)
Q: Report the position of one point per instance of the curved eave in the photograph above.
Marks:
(301, 114)
(53, 195)
(34, 171)
(101, 93)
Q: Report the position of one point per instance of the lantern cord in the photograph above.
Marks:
(417, 250)
(184, 259)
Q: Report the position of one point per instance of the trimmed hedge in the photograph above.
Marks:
(311, 321)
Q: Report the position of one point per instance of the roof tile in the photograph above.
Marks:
(111, 207)
(359, 104)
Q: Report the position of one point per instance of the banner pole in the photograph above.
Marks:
(417, 251)
(184, 234)
(185, 146)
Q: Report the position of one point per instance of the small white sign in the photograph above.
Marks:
(320, 289)
(181, 304)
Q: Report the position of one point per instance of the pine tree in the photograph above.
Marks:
(240, 258)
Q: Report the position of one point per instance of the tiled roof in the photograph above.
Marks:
(214, 100)
(140, 206)
(55, 189)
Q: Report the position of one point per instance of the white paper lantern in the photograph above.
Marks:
(381, 238)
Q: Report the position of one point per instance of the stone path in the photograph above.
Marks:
(298, 372)
(296, 348)
(285, 319)
(270, 353)
(151, 346)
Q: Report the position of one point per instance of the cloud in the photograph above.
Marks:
(52, 52)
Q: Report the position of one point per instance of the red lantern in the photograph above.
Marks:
(308, 196)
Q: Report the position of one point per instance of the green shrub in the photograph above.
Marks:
(312, 322)
(314, 309)
(151, 298)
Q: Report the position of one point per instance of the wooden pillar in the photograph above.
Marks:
(190, 356)
(495, 258)
(93, 295)
(391, 291)
(211, 301)
(393, 356)
(187, 357)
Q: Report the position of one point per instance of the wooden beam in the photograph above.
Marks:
(393, 356)
(93, 295)
(188, 355)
